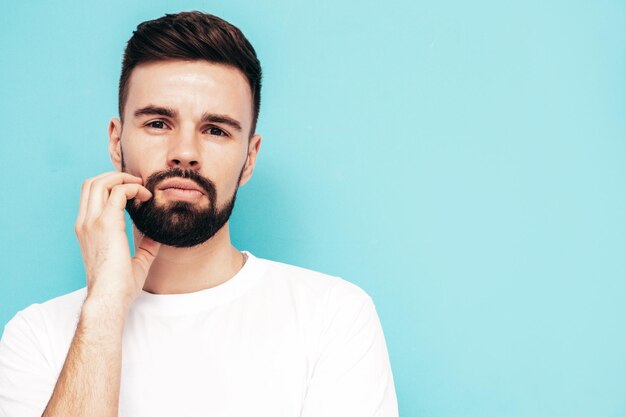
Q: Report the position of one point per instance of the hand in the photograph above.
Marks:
(112, 275)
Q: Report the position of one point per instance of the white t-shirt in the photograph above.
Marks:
(274, 340)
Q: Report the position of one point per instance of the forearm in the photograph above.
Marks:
(89, 383)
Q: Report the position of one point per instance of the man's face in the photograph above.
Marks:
(186, 132)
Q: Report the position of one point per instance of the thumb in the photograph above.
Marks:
(145, 254)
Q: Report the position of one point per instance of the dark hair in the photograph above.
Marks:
(191, 36)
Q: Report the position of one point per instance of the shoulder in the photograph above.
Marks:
(57, 315)
(313, 286)
(67, 305)
(32, 351)
(315, 282)
(40, 334)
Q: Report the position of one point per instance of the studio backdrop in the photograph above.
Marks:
(463, 162)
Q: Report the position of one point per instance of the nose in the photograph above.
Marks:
(184, 152)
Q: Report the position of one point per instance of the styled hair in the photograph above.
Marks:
(191, 36)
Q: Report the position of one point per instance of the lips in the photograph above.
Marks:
(181, 184)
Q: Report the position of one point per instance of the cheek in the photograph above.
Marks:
(228, 181)
(239, 166)
(140, 161)
(130, 165)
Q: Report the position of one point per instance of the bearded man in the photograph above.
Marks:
(190, 325)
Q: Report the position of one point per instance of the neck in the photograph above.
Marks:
(185, 270)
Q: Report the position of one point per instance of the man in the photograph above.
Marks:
(189, 325)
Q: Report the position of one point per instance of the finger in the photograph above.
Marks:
(120, 194)
(145, 254)
(82, 206)
(101, 188)
(84, 199)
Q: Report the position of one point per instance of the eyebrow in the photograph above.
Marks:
(221, 118)
(151, 110)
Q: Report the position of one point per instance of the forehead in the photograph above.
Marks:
(192, 88)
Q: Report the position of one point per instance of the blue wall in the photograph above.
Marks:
(463, 162)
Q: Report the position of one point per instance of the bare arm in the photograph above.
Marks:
(89, 383)
(90, 380)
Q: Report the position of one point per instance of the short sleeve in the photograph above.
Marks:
(352, 374)
(26, 377)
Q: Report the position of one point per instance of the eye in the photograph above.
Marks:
(156, 124)
(216, 131)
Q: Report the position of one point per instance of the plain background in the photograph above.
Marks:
(463, 162)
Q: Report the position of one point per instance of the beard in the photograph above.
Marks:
(180, 223)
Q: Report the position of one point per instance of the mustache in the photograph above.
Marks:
(204, 183)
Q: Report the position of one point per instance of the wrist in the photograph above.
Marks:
(98, 311)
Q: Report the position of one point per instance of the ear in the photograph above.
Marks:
(254, 144)
(115, 142)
